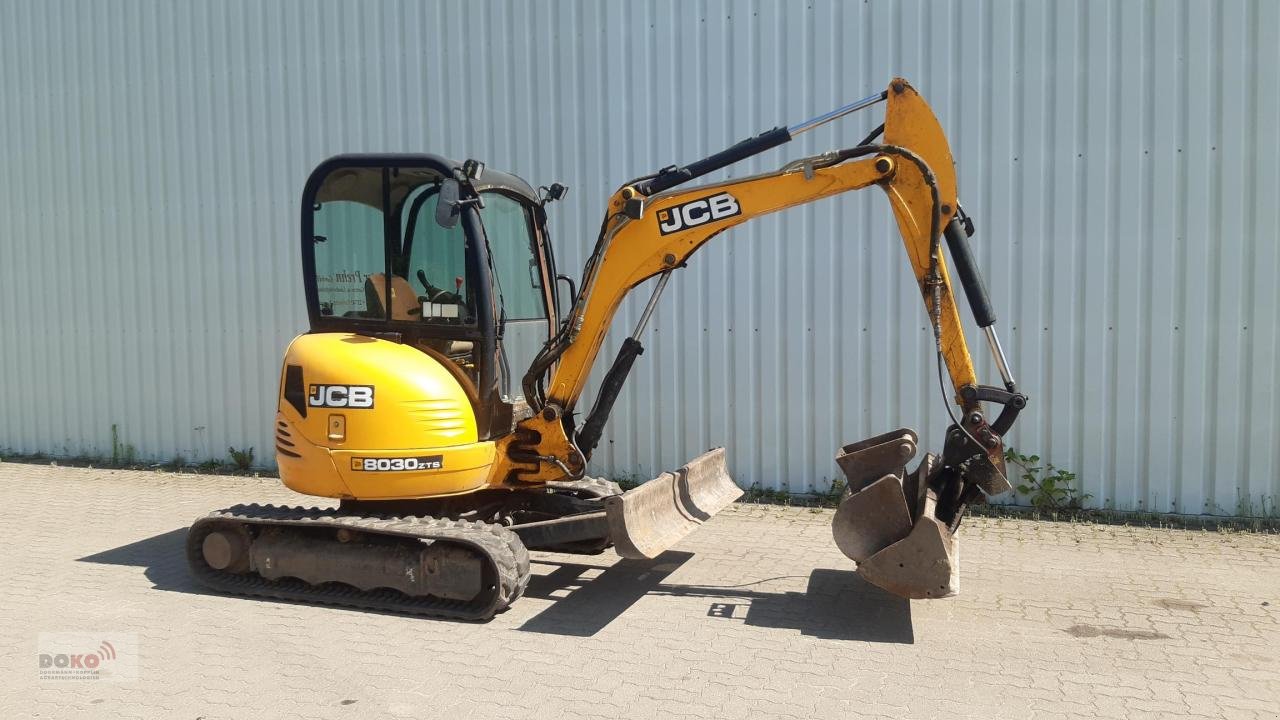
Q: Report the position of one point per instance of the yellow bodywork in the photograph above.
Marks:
(421, 411)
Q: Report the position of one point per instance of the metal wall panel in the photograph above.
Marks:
(1121, 158)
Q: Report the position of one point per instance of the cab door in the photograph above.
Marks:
(521, 286)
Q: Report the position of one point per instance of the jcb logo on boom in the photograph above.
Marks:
(337, 396)
(697, 212)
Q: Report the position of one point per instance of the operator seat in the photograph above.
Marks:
(404, 301)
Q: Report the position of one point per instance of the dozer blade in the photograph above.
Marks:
(647, 520)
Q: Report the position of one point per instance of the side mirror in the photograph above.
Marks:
(447, 208)
(554, 193)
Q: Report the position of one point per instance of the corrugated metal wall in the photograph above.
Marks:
(1121, 158)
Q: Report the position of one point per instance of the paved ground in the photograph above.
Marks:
(755, 615)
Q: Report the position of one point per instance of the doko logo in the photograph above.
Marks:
(88, 656)
(79, 661)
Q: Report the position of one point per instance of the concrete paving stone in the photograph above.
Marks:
(755, 615)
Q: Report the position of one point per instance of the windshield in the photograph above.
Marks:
(433, 260)
(380, 255)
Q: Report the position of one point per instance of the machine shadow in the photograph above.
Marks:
(589, 597)
(163, 556)
(836, 604)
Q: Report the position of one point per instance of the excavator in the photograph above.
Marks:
(427, 281)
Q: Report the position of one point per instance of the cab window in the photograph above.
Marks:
(518, 280)
(348, 250)
(436, 266)
(517, 285)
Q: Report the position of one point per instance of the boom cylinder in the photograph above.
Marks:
(593, 426)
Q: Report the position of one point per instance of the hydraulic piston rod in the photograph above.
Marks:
(1002, 364)
(838, 113)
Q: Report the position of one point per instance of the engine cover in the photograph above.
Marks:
(371, 419)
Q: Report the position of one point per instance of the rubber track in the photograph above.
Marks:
(502, 548)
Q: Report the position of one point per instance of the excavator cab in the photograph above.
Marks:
(390, 250)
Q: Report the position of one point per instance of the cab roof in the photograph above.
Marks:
(356, 177)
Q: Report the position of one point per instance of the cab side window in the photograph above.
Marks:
(509, 229)
(348, 249)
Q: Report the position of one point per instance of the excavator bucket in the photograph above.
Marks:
(924, 564)
(647, 520)
(887, 519)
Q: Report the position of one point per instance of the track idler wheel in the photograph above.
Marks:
(227, 548)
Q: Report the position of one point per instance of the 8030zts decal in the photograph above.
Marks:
(424, 462)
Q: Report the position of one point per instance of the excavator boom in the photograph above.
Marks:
(653, 226)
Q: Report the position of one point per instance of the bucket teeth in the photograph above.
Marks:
(647, 520)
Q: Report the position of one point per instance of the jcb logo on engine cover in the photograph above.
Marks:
(341, 396)
(697, 212)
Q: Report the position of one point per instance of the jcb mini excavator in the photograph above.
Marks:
(428, 280)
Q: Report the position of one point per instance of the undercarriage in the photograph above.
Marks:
(464, 557)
